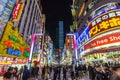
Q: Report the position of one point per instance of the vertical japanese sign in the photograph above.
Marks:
(18, 11)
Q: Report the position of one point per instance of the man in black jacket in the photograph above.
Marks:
(64, 72)
(26, 73)
(35, 70)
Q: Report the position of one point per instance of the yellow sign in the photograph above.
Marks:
(17, 42)
(75, 24)
(5, 63)
(105, 22)
(73, 12)
(104, 26)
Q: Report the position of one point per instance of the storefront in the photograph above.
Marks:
(13, 49)
(103, 32)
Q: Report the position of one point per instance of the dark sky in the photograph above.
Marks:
(57, 10)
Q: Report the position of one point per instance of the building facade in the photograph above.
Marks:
(19, 20)
(29, 22)
(98, 23)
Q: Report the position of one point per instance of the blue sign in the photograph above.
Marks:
(13, 52)
(84, 36)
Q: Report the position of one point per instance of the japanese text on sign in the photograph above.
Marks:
(104, 23)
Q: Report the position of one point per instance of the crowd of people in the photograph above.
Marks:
(13, 73)
(99, 71)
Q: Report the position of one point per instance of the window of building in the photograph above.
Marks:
(30, 17)
(35, 28)
(19, 24)
(27, 17)
(34, 19)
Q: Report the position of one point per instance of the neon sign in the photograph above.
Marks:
(104, 40)
(69, 41)
(13, 52)
(16, 11)
(84, 37)
(108, 21)
(103, 9)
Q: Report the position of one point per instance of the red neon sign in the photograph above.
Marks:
(16, 10)
(104, 40)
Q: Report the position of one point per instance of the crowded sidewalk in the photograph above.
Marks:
(104, 71)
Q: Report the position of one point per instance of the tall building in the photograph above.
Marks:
(19, 20)
(29, 22)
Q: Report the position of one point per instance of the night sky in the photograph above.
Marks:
(57, 10)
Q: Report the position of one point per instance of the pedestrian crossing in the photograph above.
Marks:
(61, 79)
(68, 77)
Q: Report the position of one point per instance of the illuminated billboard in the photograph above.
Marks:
(103, 9)
(69, 41)
(104, 40)
(84, 37)
(17, 11)
(105, 22)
